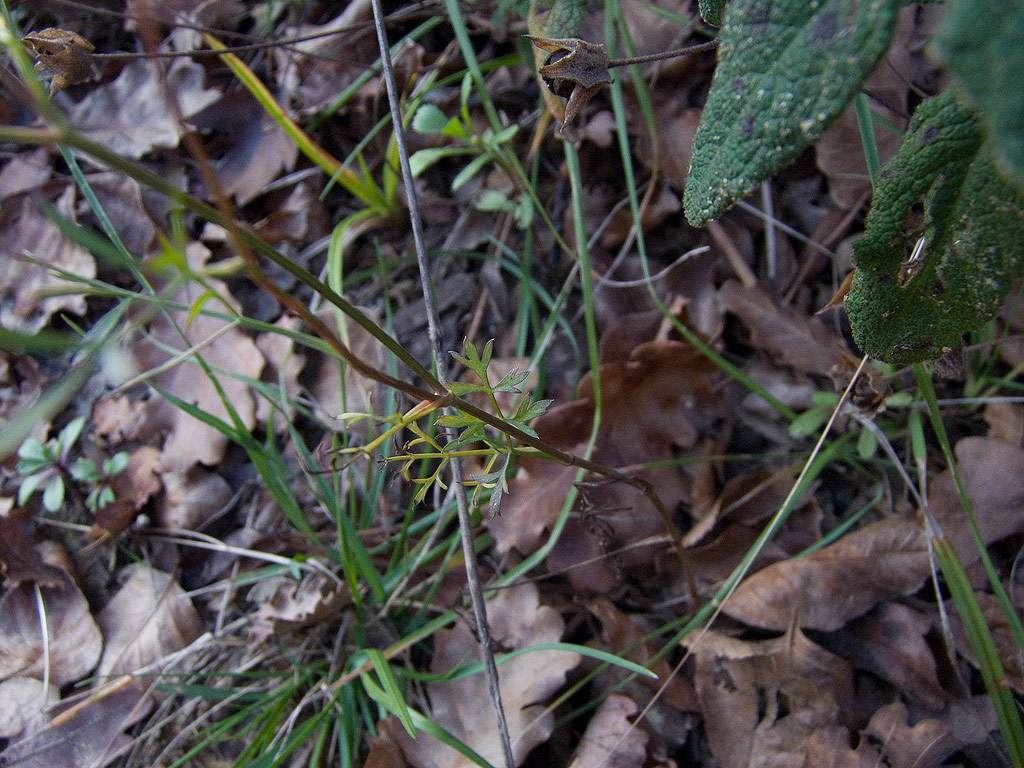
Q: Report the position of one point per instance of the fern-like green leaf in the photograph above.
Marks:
(787, 69)
(910, 303)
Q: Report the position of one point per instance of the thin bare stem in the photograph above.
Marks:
(440, 364)
(663, 55)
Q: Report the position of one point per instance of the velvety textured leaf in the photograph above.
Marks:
(712, 10)
(980, 43)
(904, 308)
(786, 71)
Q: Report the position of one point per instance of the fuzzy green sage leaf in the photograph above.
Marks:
(787, 69)
(711, 11)
(982, 44)
(942, 243)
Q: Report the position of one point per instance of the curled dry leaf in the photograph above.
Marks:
(74, 640)
(286, 604)
(93, 736)
(66, 57)
(149, 618)
(762, 701)
(610, 738)
(840, 582)
(517, 620)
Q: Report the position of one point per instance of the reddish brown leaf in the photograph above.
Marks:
(651, 404)
(840, 582)
(132, 489)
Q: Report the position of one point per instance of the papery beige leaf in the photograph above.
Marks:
(24, 702)
(149, 618)
(517, 620)
(130, 115)
(25, 172)
(21, 282)
(74, 640)
(611, 738)
(842, 581)
(93, 737)
(284, 603)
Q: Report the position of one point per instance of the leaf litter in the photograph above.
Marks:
(835, 657)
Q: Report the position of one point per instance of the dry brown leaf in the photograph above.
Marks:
(121, 199)
(926, 744)
(840, 152)
(93, 737)
(149, 618)
(763, 700)
(284, 364)
(361, 395)
(130, 115)
(1005, 422)
(517, 620)
(620, 632)
(132, 489)
(25, 172)
(791, 338)
(993, 476)
(23, 309)
(189, 440)
(119, 418)
(889, 642)
(610, 738)
(653, 404)
(191, 499)
(1010, 654)
(23, 706)
(74, 639)
(840, 582)
(284, 603)
(19, 559)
